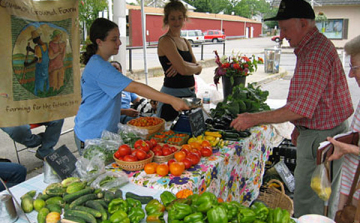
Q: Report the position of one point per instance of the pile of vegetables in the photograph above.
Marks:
(75, 200)
(243, 99)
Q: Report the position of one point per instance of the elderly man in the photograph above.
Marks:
(318, 103)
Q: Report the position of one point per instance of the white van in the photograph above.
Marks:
(195, 37)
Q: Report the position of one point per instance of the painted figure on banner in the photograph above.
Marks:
(45, 68)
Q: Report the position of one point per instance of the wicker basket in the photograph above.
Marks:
(152, 129)
(163, 159)
(274, 198)
(134, 166)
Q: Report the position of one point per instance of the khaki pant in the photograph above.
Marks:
(306, 201)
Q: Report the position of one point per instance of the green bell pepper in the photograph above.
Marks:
(270, 217)
(246, 215)
(175, 221)
(260, 209)
(154, 206)
(196, 217)
(285, 216)
(167, 197)
(205, 202)
(119, 216)
(258, 221)
(232, 210)
(155, 217)
(179, 211)
(277, 215)
(117, 204)
(133, 203)
(136, 214)
(217, 214)
(155, 211)
(178, 200)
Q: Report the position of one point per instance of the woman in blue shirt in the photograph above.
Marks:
(101, 86)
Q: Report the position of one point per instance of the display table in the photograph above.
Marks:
(233, 172)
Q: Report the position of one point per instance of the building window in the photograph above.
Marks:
(334, 28)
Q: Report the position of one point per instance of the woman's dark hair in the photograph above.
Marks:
(99, 30)
(173, 5)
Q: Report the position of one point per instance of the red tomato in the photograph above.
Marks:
(198, 152)
(154, 142)
(130, 158)
(140, 154)
(185, 151)
(194, 158)
(173, 149)
(206, 151)
(141, 144)
(117, 155)
(124, 150)
(171, 161)
(149, 143)
(148, 155)
(157, 147)
(158, 153)
(166, 151)
(187, 162)
(165, 146)
(133, 152)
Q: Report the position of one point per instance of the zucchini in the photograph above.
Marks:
(41, 216)
(55, 189)
(82, 199)
(94, 212)
(80, 214)
(68, 198)
(97, 206)
(75, 219)
(27, 204)
(142, 199)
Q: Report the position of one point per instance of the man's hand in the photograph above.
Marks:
(244, 121)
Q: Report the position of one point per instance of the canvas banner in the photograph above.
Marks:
(39, 61)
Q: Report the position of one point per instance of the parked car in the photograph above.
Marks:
(276, 39)
(214, 36)
(195, 37)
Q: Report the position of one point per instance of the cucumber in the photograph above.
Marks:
(56, 200)
(97, 206)
(68, 198)
(55, 189)
(42, 196)
(118, 193)
(94, 212)
(75, 219)
(74, 187)
(54, 208)
(103, 203)
(108, 196)
(30, 194)
(142, 199)
(82, 199)
(80, 214)
(41, 217)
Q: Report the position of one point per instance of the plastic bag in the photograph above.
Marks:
(89, 169)
(320, 182)
(130, 134)
(110, 180)
(103, 148)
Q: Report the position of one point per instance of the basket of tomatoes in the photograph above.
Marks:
(152, 124)
(164, 152)
(132, 159)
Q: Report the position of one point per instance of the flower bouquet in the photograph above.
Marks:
(235, 66)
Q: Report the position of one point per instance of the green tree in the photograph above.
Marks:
(89, 11)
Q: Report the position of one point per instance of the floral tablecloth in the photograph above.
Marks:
(233, 172)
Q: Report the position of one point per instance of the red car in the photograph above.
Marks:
(276, 39)
(214, 36)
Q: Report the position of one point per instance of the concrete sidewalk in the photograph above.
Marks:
(34, 165)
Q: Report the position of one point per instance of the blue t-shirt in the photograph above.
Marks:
(101, 87)
(127, 98)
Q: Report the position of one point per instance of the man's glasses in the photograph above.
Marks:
(353, 67)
